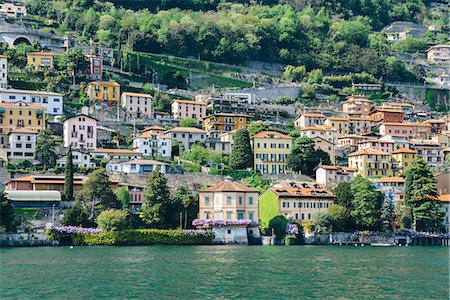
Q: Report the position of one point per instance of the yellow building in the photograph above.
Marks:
(219, 123)
(20, 114)
(270, 150)
(341, 124)
(404, 157)
(40, 61)
(372, 163)
(104, 92)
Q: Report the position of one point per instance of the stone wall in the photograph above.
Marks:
(25, 240)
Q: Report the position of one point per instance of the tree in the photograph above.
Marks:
(188, 122)
(256, 127)
(45, 148)
(292, 73)
(340, 218)
(420, 195)
(202, 155)
(76, 216)
(75, 61)
(157, 201)
(322, 222)
(366, 204)
(387, 214)
(6, 212)
(124, 197)
(343, 194)
(305, 157)
(68, 176)
(259, 183)
(241, 153)
(113, 220)
(97, 191)
(186, 202)
(278, 224)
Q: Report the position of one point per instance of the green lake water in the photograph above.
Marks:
(225, 272)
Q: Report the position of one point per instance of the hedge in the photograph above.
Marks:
(138, 237)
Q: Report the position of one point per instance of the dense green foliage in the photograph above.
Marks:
(45, 148)
(258, 183)
(124, 197)
(278, 226)
(185, 202)
(202, 155)
(112, 220)
(136, 237)
(322, 222)
(331, 35)
(68, 176)
(157, 204)
(76, 216)
(97, 192)
(305, 157)
(420, 196)
(188, 122)
(6, 212)
(256, 127)
(241, 152)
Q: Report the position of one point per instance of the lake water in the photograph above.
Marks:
(225, 272)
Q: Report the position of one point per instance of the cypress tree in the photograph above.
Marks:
(6, 212)
(68, 176)
(241, 154)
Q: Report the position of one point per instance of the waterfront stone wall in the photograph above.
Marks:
(349, 238)
(25, 240)
(230, 235)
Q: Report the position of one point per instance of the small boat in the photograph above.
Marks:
(382, 244)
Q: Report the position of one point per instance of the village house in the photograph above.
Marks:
(326, 146)
(330, 176)
(371, 162)
(104, 92)
(79, 159)
(393, 188)
(52, 102)
(154, 128)
(12, 10)
(428, 150)
(40, 61)
(445, 201)
(137, 166)
(309, 120)
(386, 115)
(80, 132)
(95, 66)
(270, 150)
(437, 126)
(298, 202)
(21, 144)
(228, 200)
(20, 114)
(153, 144)
(356, 105)
(328, 133)
(439, 54)
(137, 105)
(3, 71)
(404, 157)
(182, 109)
(219, 123)
(443, 139)
(115, 154)
(340, 123)
(407, 108)
(384, 146)
(187, 136)
(399, 141)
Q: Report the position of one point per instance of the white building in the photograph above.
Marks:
(137, 105)
(429, 151)
(116, 154)
(3, 72)
(309, 120)
(22, 144)
(137, 166)
(80, 132)
(187, 136)
(152, 144)
(331, 176)
(79, 159)
(53, 102)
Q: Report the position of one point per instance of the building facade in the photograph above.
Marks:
(22, 144)
(53, 102)
(331, 176)
(182, 109)
(228, 200)
(217, 124)
(104, 92)
(309, 120)
(187, 136)
(95, 66)
(270, 150)
(3, 72)
(137, 105)
(153, 144)
(439, 54)
(12, 10)
(40, 61)
(371, 162)
(356, 105)
(80, 132)
(404, 157)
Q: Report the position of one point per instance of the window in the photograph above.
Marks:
(229, 215)
(250, 215)
(250, 200)
(240, 200)
(206, 200)
(240, 215)
(206, 215)
(228, 200)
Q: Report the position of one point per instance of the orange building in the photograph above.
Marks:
(386, 115)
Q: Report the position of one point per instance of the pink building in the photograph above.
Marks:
(384, 146)
(228, 201)
(188, 109)
(95, 66)
(408, 130)
(80, 132)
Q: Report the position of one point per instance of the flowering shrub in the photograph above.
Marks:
(71, 229)
(422, 234)
(195, 232)
(219, 223)
(291, 229)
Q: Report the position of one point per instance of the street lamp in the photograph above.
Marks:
(186, 205)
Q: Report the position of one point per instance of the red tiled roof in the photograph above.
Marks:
(404, 150)
(271, 134)
(368, 151)
(229, 186)
(390, 179)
